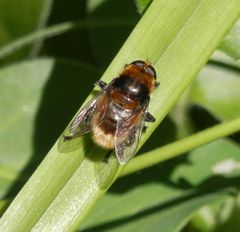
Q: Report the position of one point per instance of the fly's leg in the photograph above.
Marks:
(70, 137)
(144, 128)
(157, 84)
(107, 156)
(101, 84)
(149, 118)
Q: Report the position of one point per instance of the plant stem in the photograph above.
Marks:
(175, 149)
(56, 30)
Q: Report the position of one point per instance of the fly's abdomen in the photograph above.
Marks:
(104, 127)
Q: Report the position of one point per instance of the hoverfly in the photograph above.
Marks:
(116, 116)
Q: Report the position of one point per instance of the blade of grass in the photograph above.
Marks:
(180, 147)
(47, 7)
(73, 177)
(57, 30)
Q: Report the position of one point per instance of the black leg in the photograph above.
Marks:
(144, 128)
(101, 84)
(149, 118)
(106, 157)
(156, 84)
(69, 137)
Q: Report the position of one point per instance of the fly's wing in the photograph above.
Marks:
(81, 124)
(127, 136)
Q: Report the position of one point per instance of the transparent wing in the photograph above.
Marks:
(127, 136)
(81, 124)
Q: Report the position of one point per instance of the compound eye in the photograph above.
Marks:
(151, 70)
(146, 66)
(139, 63)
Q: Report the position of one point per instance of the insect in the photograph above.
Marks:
(116, 116)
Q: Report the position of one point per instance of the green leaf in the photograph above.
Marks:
(222, 60)
(169, 216)
(165, 197)
(217, 90)
(231, 44)
(215, 159)
(233, 220)
(72, 177)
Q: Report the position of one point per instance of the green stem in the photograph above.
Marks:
(175, 149)
(56, 30)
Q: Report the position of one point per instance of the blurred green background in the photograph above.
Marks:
(42, 86)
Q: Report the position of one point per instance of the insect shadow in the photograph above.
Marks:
(61, 97)
(102, 159)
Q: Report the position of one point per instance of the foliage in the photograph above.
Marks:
(52, 52)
